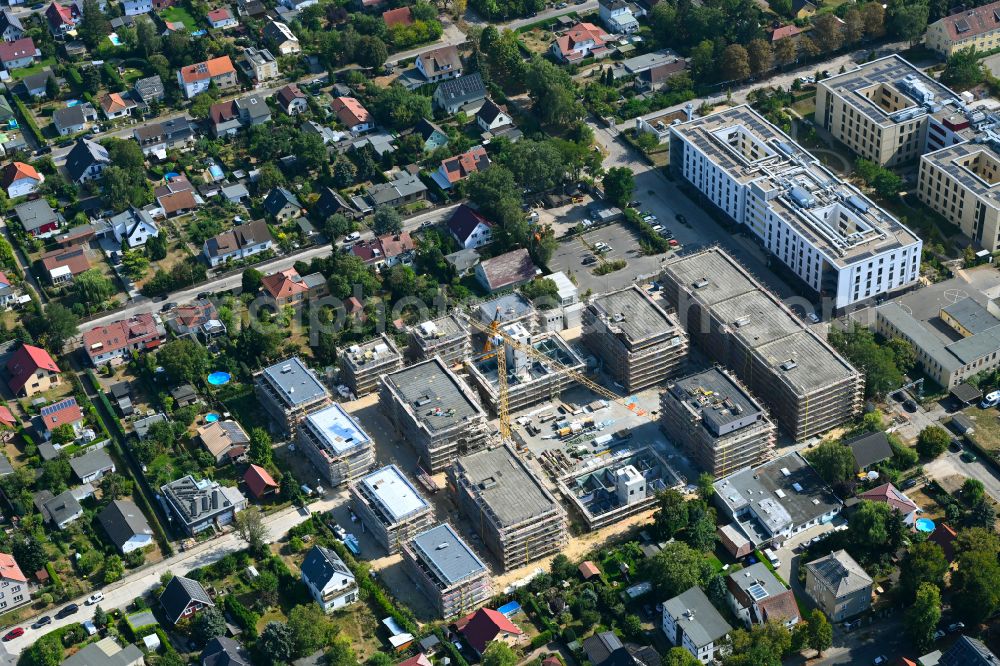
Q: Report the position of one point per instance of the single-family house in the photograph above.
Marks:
(259, 482)
(690, 621)
(258, 65)
(225, 440)
(116, 105)
(287, 287)
(252, 8)
(65, 412)
(486, 625)
(8, 295)
(511, 269)
(330, 202)
(125, 526)
(224, 651)
(236, 193)
(467, 226)
(291, 100)
(838, 585)
(19, 179)
(440, 63)
(36, 85)
(895, 498)
(616, 15)
(60, 19)
(583, 40)
(282, 205)
(352, 115)
(199, 318)
(238, 243)
(86, 161)
(281, 38)
(869, 449)
(458, 167)
(62, 265)
(405, 187)
(134, 226)
(401, 16)
(115, 342)
(74, 119)
(183, 598)
(493, 116)
(328, 579)
(148, 90)
(38, 219)
(62, 509)
(31, 370)
(175, 204)
(197, 505)
(434, 137)
(137, 7)
(14, 589)
(194, 79)
(222, 18)
(11, 28)
(151, 140)
(92, 466)
(463, 93)
(756, 596)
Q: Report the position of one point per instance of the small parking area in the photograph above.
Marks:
(569, 258)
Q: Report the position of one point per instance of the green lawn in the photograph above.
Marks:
(18, 74)
(178, 14)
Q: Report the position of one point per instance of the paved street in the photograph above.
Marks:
(122, 593)
(950, 463)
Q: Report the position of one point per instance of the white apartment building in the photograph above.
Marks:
(833, 237)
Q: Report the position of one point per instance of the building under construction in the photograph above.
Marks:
(716, 422)
(805, 383)
(612, 488)
(362, 365)
(448, 571)
(529, 380)
(511, 510)
(287, 391)
(512, 308)
(336, 444)
(638, 342)
(390, 508)
(446, 337)
(435, 411)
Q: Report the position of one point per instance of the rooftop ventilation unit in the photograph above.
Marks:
(790, 364)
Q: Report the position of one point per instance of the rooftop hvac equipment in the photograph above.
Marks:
(790, 364)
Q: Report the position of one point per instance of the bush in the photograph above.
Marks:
(569, 634)
(541, 639)
(242, 615)
(29, 121)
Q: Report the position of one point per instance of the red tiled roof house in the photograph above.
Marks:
(31, 370)
(115, 342)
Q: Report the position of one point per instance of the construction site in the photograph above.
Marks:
(336, 444)
(446, 337)
(390, 508)
(363, 365)
(448, 572)
(637, 342)
(716, 421)
(607, 489)
(806, 384)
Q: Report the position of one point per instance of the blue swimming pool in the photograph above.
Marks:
(925, 525)
(216, 172)
(219, 378)
(211, 417)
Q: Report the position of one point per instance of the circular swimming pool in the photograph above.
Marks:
(211, 417)
(925, 525)
(219, 378)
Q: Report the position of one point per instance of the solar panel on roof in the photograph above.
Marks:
(757, 591)
(962, 25)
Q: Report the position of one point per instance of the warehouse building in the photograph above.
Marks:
(446, 337)
(287, 391)
(612, 488)
(807, 386)
(448, 571)
(639, 344)
(336, 444)
(363, 365)
(824, 230)
(390, 508)
(511, 509)
(435, 412)
(716, 421)
(529, 380)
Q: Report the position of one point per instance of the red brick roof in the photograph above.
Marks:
(27, 360)
(58, 15)
(350, 112)
(780, 607)
(973, 22)
(7, 417)
(16, 171)
(581, 32)
(401, 16)
(121, 334)
(890, 495)
(220, 14)
(259, 480)
(207, 70)
(784, 32)
(485, 625)
(61, 413)
(284, 284)
(588, 569)
(9, 568)
(458, 167)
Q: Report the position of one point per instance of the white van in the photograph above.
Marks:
(772, 557)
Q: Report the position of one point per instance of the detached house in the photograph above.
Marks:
(239, 243)
(66, 412)
(115, 342)
(756, 596)
(281, 37)
(134, 226)
(125, 526)
(31, 370)
(74, 119)
(19, 179)
(506, 270)
(63, 265)
(38, 219)
(457, 168)
(17, 54)
(258, 65)
(464, 93)
(581, 41)
(115, 105)
(14, 590)
(291, 100)
(196, 78)
(469, 228)
(148, 90)
(287, 287)
(487, 625)
(86, 161)
(352, 115)
(137, 7)
(222, 18)
(434, 137)
(198, 505)
(617, 16)
(224, 440)
(282, 205)
(11, 28)
(439, 64)
(838, 585)
(492, 117)
(60, 19)
(328, 579)
(183, 598)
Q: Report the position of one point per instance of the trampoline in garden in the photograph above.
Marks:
(211, 417)
(925, 525)
(219, 378)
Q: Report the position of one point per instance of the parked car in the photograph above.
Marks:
(167, 307)
(589, 259)
(955, 446)
(938, 635)
(95, 598)
(909, 405)
(673, 242)
(41, 622)
(13, 633)
(909, 483)
(955, 626)
(879, 660)
(811, 316)
(680, 218)
(969, 457)
(67, 611)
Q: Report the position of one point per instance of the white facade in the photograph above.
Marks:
(23, 187)
(704, 653)
(137, 233)
(136, 7)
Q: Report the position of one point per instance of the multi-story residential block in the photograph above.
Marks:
(637, 341)
(974, 28)
(258, 65)
(713, 418)
(511, 510)
(336, 444)
(446, 337)
(196, 78)
(435, 412)
(824, 230)
(390, 507)
(114, 343)
(199, 505)
(839, 585)
(288, 390)
(448, 571)
(365, 364)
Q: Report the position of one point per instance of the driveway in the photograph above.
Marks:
(950, 463)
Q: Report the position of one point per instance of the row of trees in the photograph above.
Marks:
(883, 364)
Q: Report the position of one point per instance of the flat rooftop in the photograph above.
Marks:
(447, 555)
(594, 490)
(373, 352)
(443, 328)
(506, 486)
(831, 214)
(511, 306)
(294, 382)
(337, 429)
(437, 397)
(917, 93)
(968, 163)
(718, 399)
(633, 312)
(393, 493)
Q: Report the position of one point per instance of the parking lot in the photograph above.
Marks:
(569, 258)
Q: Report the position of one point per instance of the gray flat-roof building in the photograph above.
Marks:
(612, 488)
(435, 412)
(806, 384)
(446, 337)
(691, 621)
(448, 571)
(288, 390)
(513, 512)
(772, 502)
(364, 364)
(335, 443)
(390, 507)
(717, 422)
(197, 505)
(638, 342)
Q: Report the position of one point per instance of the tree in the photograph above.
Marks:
(761, 56)
(973, 490)
(676, 568)
(536, 165)
(252, 529)
(820, 632)
(156, 246)
(908, 21)
(703, 62)
(975, 586)
(786, 51)
(982, 514)
(386, 221)
(135, 264)
(261, 450)
(873, 17)
(963, 70)
(60, 324)
(833, 461)
(115, 486)
(94, 26)
(924, 562)
(877, 362)
(183, 360)
(854, 26)
(251, 280)
(371, 52)
(922, 617)
(700, 533)
(344, 172)
(679, 656)
(735, 63)
(52, 87)
(875, 528)
(619, 184)
(100, 617)
(553, 93)
(828, 33)
(265, 585)
(341, 653)
(63, 434)
(208, 624)
(932, 442)
(380, 659)
(114, 569)
(499, 653)
(29, 553)
(562, 568)
(311, 628)
(399, 109)
(276, 642)
(671, 513)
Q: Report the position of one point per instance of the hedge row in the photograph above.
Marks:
(56, 580)
(654, 240)
(74, 78)
(456, 657)
(112, 78)
(243, 616)
(541, 639)
(28, 120)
